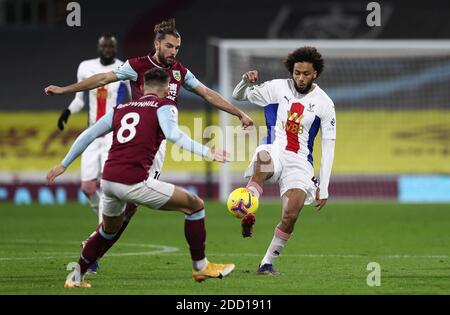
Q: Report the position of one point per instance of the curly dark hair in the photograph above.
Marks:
(166, 28)
(305, 54)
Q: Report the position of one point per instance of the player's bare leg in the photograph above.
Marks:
(194, 230)
(292, 203)
(263, 169)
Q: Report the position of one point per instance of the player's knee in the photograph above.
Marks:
(263, 157)
(264, 167)
(196, 203)
(199, 204)
(89, 188)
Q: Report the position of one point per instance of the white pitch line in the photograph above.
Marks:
(162, 249)
(174, 251)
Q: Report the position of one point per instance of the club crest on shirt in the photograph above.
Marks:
(311, 108)
(176, 74)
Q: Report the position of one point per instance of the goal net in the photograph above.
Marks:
(392, 101)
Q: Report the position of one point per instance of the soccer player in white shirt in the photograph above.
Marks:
(297, 108)
(100, 101)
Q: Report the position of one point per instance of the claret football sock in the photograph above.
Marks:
(95, 247)
(128, 213)
(247, 223)
(195, 233)
(279, 240)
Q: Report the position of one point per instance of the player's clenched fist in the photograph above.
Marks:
(53, 90)
(246, 120)
(251, 76)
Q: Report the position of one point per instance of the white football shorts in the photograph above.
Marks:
(94, 157)
(290, 171)
(151, 193)
(158, 161)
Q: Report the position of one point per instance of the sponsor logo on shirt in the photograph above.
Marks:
(311, 108)
(173, 91)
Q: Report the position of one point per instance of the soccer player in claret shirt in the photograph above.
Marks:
(100, 101)
(296, 108)
(167, 43)
(138, 129)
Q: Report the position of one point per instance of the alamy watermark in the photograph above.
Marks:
(74, 16)
(374, 17)
(374, 277)
(238, 142)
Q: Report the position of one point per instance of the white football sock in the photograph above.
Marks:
(200, 264)
(279, 240)
(255, 189)
(94, 200)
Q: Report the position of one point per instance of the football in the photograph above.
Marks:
(242, 202)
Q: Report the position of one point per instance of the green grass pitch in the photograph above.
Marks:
(328, 253)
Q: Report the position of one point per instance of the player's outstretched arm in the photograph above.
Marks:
(218, 101)
(168, 121)
(100, 128)
(95, 81)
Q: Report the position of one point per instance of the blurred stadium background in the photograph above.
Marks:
(389, 84)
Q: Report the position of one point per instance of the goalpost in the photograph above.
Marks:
(376, 85)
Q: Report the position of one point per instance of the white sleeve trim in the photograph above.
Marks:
(240, 91)
(77, 103)
(326, 165)
(190, 81)
(126, 72)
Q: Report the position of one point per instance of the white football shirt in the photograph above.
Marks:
(102, 99)
(294, 119)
